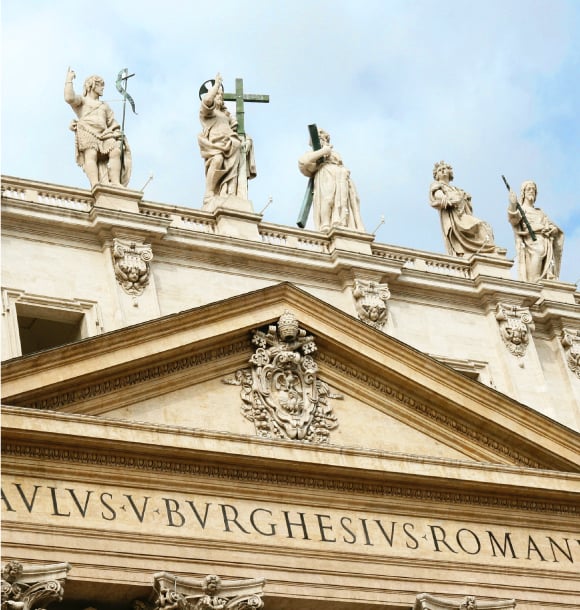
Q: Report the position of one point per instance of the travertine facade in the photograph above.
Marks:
(237, 408)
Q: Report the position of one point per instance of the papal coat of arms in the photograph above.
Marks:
(281, 393)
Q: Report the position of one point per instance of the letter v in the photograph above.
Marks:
(140, 515)
(29, 505)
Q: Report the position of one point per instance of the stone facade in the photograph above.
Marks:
(237, 409)
(61, 253)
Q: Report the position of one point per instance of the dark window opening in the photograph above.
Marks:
(44, 328)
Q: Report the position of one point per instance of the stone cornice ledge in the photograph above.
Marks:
(564, 313)
(105, 220)
(116, 437)
(495, 289)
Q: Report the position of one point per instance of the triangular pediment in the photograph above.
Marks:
(185, 371)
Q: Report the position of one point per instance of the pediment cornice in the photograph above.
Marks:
(215, 339)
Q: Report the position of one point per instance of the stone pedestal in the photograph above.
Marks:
(117, 198)
(491, 265)
(235, 217)
(350, 241)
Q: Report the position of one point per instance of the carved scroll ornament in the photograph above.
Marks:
(425, 601)
(281, 393)
(175, 593)
(32, 588)
(515, 326)
(371, 302)
(131, 263)
(571, 344)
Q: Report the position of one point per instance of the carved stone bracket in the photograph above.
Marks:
(175, 593)
(131, 263)
(515, 327)
(281, 393)
(371, 302)
(571, 345)
(425, 601)
(32, 588)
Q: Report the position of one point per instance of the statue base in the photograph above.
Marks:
(349, 240)
(235, 217)
(227, 202)
(116, 198)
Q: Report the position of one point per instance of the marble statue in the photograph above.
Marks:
(101, 149)
(463, 233)
(335, 201)
(538, 259)
(224, 151)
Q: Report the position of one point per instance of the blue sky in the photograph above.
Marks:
(491, 87)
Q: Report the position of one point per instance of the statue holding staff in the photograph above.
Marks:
(539, 242)
(99, 139)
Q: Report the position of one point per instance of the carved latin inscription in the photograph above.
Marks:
(281, 393)
(515, 326)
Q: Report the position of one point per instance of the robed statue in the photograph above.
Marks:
(228, 155)
(539, 242)
(335, 200)
(463, 233)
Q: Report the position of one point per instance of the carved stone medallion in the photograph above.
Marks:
(371, 302)
(571, 344)
(515, 326)
(281, 393)
(131, 263)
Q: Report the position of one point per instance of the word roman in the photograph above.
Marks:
(197, 517)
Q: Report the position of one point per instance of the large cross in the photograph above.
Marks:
(239, 97)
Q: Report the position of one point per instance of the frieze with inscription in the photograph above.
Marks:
(116, 509)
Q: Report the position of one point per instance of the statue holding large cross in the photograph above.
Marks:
(226, 149)
(331, 190)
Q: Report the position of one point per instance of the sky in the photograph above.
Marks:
(491, 87)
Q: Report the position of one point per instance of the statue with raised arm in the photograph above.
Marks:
(539, 258)
(463, 233)
(335, 200)
(223, 149)
(98, 136)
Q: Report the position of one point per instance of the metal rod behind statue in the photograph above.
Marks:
(121, 84)
(307, 202)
